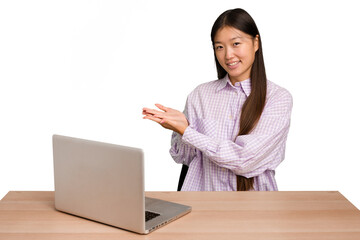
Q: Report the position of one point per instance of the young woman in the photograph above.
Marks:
(233, 131)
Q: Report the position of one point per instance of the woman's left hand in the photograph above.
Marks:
(168, 118)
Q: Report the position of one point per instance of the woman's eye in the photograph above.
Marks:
(236, 44)
(218, 47)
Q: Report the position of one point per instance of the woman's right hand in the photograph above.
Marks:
(168, 118)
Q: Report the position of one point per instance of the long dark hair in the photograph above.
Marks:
(254, 104)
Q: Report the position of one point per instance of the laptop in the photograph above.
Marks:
(105, 183)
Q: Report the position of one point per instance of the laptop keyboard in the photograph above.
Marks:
(150, 215)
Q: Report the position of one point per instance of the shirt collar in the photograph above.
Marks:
(244, 85)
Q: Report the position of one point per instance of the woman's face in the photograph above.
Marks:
(235, 51)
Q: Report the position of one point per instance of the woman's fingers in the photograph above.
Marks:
(162, 122)
(151, 111)
(155, 119)
(156, 112)
(165, 109)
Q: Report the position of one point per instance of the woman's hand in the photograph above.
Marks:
(168, 118)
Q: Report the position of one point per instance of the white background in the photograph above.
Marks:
(86, 68)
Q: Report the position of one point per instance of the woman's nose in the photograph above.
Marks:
(229, 53)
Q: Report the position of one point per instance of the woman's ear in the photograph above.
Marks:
(256, 42)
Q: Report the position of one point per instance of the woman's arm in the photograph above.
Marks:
(249, 155)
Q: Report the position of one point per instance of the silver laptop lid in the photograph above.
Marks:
(100, 181)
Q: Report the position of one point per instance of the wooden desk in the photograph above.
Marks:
(215, 215)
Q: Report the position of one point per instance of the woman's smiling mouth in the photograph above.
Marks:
(233, 65)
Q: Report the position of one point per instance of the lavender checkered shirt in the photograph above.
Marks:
(211, 147)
